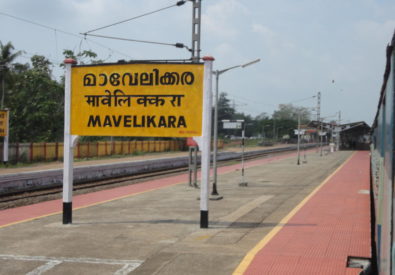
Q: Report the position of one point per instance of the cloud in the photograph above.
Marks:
(274, 43)
(263, 30)
(374, 31)
(89, 7)
(220, 19)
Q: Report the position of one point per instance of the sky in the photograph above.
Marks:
(335, 47)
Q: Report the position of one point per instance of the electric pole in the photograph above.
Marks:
(196, 20)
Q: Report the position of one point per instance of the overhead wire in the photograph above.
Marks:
(61, 31)
(177, 45)
(250, 100)
(38, 24)
(56, 45)
(179, 3)
(302, 99)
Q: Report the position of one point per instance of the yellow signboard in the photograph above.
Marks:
(163, 100)
(3, 123)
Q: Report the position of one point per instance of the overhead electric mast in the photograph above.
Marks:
(196, 20)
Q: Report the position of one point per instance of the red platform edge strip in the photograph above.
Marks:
(332, 225)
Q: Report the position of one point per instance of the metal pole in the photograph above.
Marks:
(243, 182)
(206, 138)
(190, 166)
(214, 194)
(304, 153)
(196, 15)
(195, 161)
(68, 148)
(298, 139)
(215, 145)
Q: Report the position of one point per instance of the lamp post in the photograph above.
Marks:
(217, 73)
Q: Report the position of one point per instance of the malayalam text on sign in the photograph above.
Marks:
(163, 100)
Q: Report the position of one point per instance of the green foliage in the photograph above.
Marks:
(36, 104)
(283, 121)
(7, 56)
(84, 57)
(35, 100)
(225, 110)
(290, 112)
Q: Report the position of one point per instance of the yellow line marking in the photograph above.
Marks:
(242, 267)
(204, 237)
(30, 219)
(88, 205)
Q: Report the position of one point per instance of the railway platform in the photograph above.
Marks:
(289, 219)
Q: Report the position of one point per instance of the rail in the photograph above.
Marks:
(40, 180)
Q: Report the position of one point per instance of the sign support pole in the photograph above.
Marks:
(206, 140)
(68, 148)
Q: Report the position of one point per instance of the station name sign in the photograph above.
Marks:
(150, 99)
(3, 123)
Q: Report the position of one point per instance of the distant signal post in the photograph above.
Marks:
(139, 99)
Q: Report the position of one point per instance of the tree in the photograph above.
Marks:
(36, 103)
(84, 57)
(286, 118)
(290, 112)
(41, 64)
(7, 56)
(225, 111)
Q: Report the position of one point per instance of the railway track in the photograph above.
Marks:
(39, 194)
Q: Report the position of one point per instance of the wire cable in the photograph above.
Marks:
(56, 45)
(179, 3)
(38, 24)
(61, 31)
(177, 45)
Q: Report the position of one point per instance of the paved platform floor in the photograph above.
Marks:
(153, 227)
